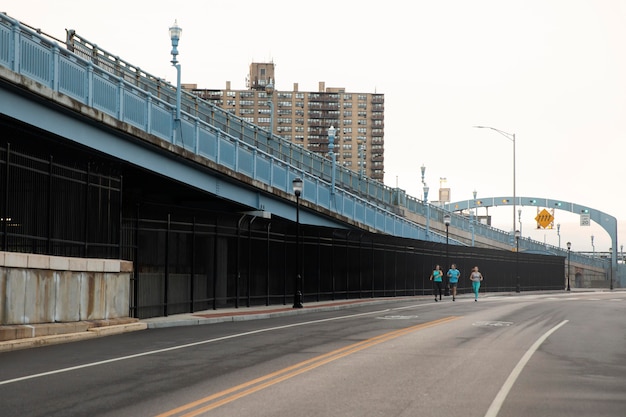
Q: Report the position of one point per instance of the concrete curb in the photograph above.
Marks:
(56, 339)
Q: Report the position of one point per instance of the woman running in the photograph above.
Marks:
(476, 277)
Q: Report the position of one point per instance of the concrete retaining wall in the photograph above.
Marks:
(50, 289)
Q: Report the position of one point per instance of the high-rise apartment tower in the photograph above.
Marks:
(305, 117)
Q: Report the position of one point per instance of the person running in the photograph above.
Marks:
(453, 279)
(437, 278)
(475, 277)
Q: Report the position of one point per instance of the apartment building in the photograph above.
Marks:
(305, 117)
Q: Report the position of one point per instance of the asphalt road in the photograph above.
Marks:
(550, 355)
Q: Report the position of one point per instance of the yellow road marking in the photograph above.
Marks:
(232, 394)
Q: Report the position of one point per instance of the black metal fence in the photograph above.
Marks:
(64, 209)
(189, 263)
(189, 259)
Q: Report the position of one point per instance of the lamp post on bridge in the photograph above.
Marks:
(269, 92)
(427, 212)
(175, 32)
(471, 213)
(426, 189)
(511, 137)
(331, 153)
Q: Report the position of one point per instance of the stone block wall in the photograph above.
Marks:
(38, 289)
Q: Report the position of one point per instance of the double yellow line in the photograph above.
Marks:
(232, 394)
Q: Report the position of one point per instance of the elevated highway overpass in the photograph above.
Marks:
(90, 97)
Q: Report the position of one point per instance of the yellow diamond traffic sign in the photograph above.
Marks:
(544, 218)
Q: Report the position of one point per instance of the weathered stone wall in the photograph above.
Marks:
(50, 289)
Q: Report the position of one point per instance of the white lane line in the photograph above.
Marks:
(202, 342)
(494, 409)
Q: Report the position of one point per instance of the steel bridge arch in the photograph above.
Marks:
(606, 221)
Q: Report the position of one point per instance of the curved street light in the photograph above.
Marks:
(511, 137)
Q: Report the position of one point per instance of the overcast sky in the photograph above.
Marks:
(553, 72)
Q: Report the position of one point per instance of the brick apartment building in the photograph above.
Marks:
(305, 117)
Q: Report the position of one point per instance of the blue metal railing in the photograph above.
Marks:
(207, 130)
(103, 81)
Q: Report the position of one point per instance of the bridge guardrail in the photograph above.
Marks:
(105, 82)
(32, 55)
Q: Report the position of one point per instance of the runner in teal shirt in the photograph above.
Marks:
(453, 279)
(437, 278)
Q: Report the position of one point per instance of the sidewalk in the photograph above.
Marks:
(56, 333)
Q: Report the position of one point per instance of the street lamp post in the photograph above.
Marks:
(611, 271)
(425, 188)
(593, 248)
(427, 211)
(297, 294)
(471, 214)
(569, 246)
(360, 160)
(558, 233)
(331, 152)
(446, 221)
(511, 137)
(269, 92)
(517, 285)
(175, 32)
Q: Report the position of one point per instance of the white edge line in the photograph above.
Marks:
(494, 409)
(202, 342)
